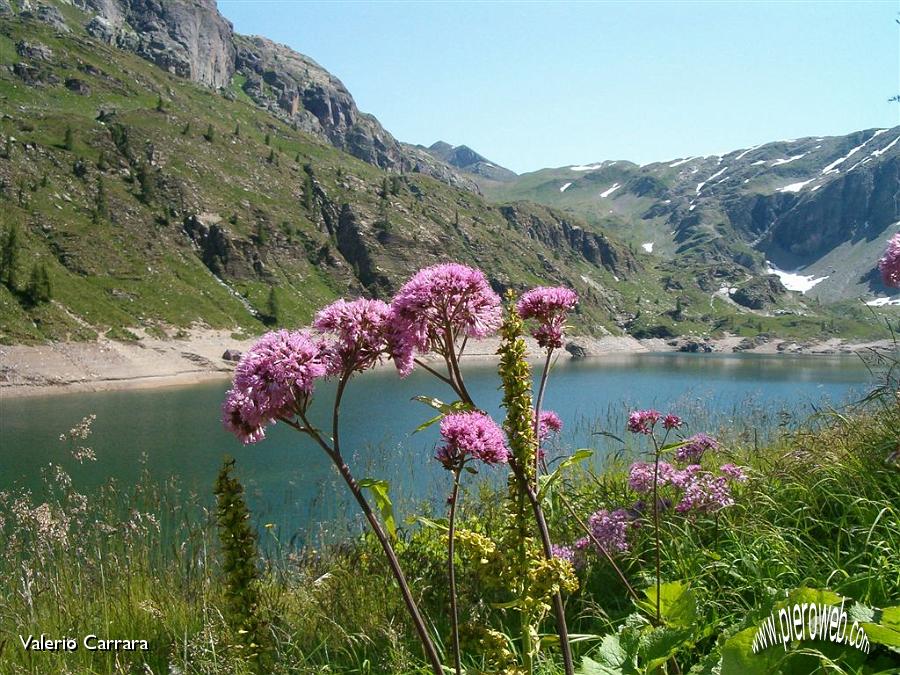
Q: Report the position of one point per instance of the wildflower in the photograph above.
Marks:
(564, 553)
(695, 447)
(610, 529)
(889, 264)
(671, 421)
(549, 306)
(640, 475)
(705, 493)
(734, 472)
(643, 421)
(274, 377)
(437, 305)
(362, 329)
(549, 423)
(471, 434)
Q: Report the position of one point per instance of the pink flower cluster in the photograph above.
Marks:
(549, 423)
(889, 264)
(439, 304)
(643, 421)
(701, 490)
(563, 553)
(362, 328)
(695, 447)
(471, 434)
(549, 306)
(610, 529)
(274, 377)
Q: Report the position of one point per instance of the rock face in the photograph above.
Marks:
(191, 39)
(556, 233)
(186, 37)
(760, 292)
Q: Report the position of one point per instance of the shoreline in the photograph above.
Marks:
(154, 363)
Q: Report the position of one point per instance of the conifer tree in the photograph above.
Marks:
(9, 257)
(38, 289)
(69, 140)
(101, 205)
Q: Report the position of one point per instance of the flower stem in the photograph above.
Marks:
(558, 607)
(656, 519)
(334, 453)
(451, 570)
(537, 415)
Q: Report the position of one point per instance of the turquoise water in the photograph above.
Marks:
(291, 483)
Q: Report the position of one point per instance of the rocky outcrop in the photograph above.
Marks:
(760, 292)
(299, 90)
(34, 51)
(222, 254)
(47, 14)
(186, 37)
(555, 232)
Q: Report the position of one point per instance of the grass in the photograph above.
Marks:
(820, 510)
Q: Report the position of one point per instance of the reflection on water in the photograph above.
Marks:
(291, 483)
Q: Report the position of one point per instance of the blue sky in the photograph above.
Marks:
(531, 85)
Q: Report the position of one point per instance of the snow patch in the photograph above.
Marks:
(586, 167)
(758, 162)
(647, 246)
(607, 193)
(564, 187)
(790, 159)
(715, 175)
(816, 187)
(796, 187)
(793, 281)
(881, 302)
(879, 153)
(832, 168)
(747, 151)
(680, 162)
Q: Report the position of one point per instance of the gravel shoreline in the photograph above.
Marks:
(151, 362)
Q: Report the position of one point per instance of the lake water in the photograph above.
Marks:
(289, 480)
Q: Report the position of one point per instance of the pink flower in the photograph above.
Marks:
(549, 306)
(705, 493)
(695, 448)
(563, 553)
(734, 472)
(273, 378)
(550, 423)
(640, 475)
(438, 304)
(471, 434)
(643, 421)
(610, 529)
(671, 421)
(889, 264)
(362, 328)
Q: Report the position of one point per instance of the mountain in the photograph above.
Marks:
(815, 210)
(160, 171)
(191, 39)
(467, 160)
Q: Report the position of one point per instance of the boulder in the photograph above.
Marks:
(78, 86)
(232, 355)
(577, 350)
(34, 51)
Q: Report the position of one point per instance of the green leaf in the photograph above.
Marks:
(380, 490)
(887, 631)
(443, 408)
(660, 644)
(548, 481)
(677, 604)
